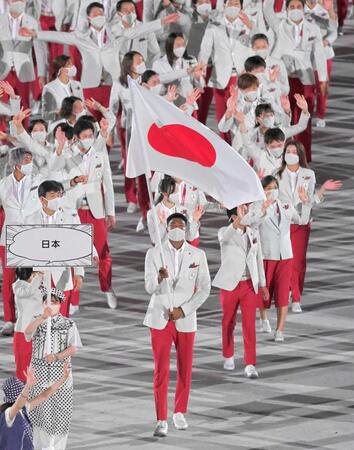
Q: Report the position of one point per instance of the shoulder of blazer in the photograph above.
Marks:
(306, 171)
(193, 250)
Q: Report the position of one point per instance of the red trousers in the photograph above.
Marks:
(47, 23)
(278, 277)
(308, 91)
(22, 353)
(100, 241)
(342, 11)
(321, 100)
(161, 341)
(139, 6)
(221, 96)
(244, 296)
(101, 94)
(299, 240)
(21, 88)
(8, 277)
(278, 5)
(65, 306)
(205, 100)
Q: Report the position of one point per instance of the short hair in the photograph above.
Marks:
(34, 122)
(241, 2)
(287, 3)
(23, 273)
(147, 75)
(83, 125)
(120, 4)
(66, 129)
(267, 180)
(49, 186)
(274, 134)
(17, 155)
(254, 62)
(93, 5)
(176, 216)
(58, 63)
(247, 80)
(66, 108)
(258, 37)
(263, 108)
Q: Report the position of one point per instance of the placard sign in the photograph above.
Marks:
(49, 245)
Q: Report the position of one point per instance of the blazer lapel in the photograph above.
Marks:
(186, 261)
(305, 35)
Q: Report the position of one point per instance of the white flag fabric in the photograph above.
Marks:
(167, 140)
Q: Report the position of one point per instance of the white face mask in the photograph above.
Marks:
(276, 151)
(129, 18)
(296, 15)
(156, 89)
(179, 51)
(26, 169)
(176, 234)
(263, 53)
(251, 96)
(140, 68)
(204, 9)
(87, 143)
(268, 122)
(71, 71)
(39, 136)
(232, 11)
(291, 159)
(17, 7)
(98, 21)
(55, 203)
(273, 194)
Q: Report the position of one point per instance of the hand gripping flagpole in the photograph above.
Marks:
(147, 177)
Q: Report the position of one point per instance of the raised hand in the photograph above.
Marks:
(193, 96)
(285, 103)
(6, 88)
(261, 173)
(170, 18)
(60, 137)
(197, 213)
(30, 376)
(21, 116)
(245, 20)
(274, 73)
(161, 215)
(172, 94)
(332, 185)
(301, 103)
(303, 194)
(104, 125)
(93, 104)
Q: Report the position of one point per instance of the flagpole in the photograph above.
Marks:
(47, 346)
(151, 199)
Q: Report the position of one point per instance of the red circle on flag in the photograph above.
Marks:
(183, 142)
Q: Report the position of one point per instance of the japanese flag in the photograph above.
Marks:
(165, 139)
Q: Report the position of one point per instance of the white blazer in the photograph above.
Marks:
(95, 60)
(53, 95)
(59, 8)
(306, 179)
(28, 301)
(298, 59)
(18, 53)
(189, 289)
(188, 197)
(99, 177)
(235, 257)
(12, 108)
(61, 276)
(15, 211)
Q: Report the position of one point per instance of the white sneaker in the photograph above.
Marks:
(131, 208)
(264, 326)
(73, 309)
(278, 336)
(179, 421)
(141, 226)
(112, 299)
(296, 307)
(321, 123)
(161, 428)
(229, 363)
(7, 329)
(251, 372)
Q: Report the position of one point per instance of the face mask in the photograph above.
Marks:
(179, 2)
(251, 96)
(179, 51)
(176, 234)
(26, 169)
(98, 21)
(276, 151)
(204, 9)
(71, 71)
(273, 194)
(156, 89)
(295, 15)
(263, 53)
(87, 143)
(232, 11)
(17, 7)
(291, 159)
(129, 18)
(140, 68)
(55, 203)
(39, 136)
(268, 122)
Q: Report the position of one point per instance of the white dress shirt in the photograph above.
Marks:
(86, 159)
(15, 23)
(176, 257)
(297, 28)
(66, 87)
(47, 219)
(18, 188)
(46, 9)
(98, 36)
(245, 244)
(293, 179)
